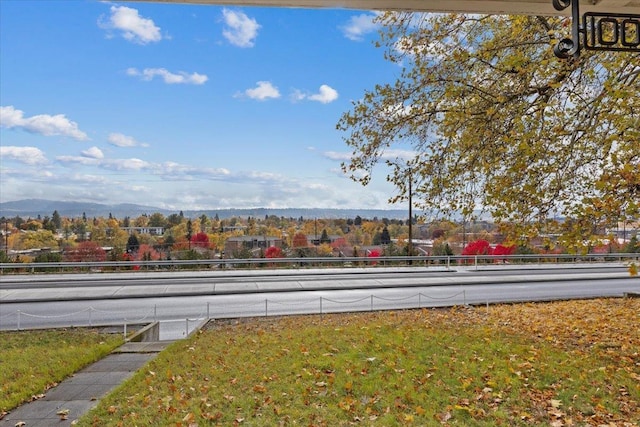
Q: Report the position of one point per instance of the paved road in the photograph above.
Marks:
(181, 302)
(34, 288)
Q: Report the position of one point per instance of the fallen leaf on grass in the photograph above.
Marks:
(444, 417)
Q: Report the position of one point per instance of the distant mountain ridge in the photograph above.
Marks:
(34, 207)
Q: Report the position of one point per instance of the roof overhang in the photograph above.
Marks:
(500, 7)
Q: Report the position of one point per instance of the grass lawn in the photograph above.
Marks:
(31, 362)
(549, 364)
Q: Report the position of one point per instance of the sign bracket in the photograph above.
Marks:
(597, 31)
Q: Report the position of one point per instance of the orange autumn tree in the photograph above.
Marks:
(147, 253)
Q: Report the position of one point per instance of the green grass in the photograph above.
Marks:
(559, 363)
(31, 362)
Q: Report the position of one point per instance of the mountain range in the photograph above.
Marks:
(31, 208)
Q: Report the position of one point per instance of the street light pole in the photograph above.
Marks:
(410, 246)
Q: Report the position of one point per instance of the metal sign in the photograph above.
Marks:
(598, 31)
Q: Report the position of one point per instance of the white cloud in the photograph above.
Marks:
(335, 155)
(87, 161)
(127, 164)
(359, 26)
(111, 164)
(297, 95)
(173, 170)
(263, 91)
(27, 155)
(181, 77)
(326, 95)
(390, 154)
(94, 153)
(394, 154)
(240, 30)
(133, 27)
(120, 140)
(42, 124)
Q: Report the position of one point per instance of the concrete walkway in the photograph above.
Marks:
(76, 395)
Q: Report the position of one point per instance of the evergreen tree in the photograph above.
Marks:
(56, 220)
(385, 238)
(133, 244)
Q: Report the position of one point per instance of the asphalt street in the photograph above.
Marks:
(181, 300)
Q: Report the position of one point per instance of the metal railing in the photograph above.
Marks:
(269, 307)
(307, 262)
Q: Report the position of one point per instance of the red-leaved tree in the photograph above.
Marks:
(478, 247)
(85, 252)
(200, 240)
(273, 252)
(504, 250)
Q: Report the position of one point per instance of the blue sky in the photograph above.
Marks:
(183, 106)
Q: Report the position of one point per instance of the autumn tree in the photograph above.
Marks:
(273, 252)
(85, 252)
(200, 240)
(36, 240)
(300, 241)
(483, 114)
(157, 220)
(477, 247)
(147, 253)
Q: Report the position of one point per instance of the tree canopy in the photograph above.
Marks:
(484, 116)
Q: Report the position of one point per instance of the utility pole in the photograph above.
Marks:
(6, 236)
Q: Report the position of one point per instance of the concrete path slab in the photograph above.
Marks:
(79, 393)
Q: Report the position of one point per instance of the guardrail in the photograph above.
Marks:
(448, 261)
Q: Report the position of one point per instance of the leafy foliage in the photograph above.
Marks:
(147, 253)
(300, 241)
(564, 363)
(85, 252)
(484, 114)
(200, 240)
(273, 252)
(478, 247)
